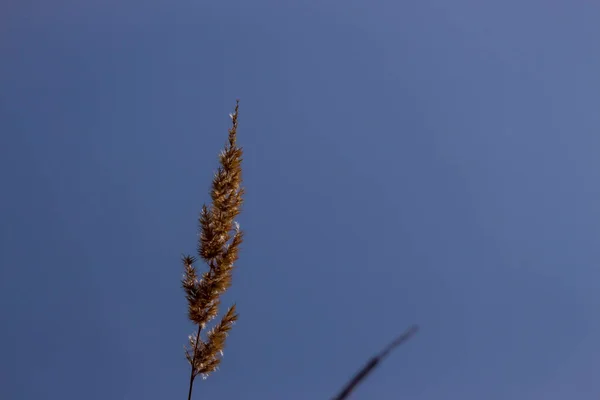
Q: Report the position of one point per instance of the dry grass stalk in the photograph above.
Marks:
(218, 246)
(373, 362)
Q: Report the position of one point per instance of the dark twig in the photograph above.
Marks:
(373, 362)
(192, 376)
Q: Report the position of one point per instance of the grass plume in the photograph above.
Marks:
(218, 246)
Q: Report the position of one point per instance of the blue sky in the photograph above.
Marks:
(427, 162)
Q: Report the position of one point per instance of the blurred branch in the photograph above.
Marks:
(373, 362)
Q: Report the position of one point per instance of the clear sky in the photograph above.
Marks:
(432, 162)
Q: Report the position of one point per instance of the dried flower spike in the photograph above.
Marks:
(218, 245)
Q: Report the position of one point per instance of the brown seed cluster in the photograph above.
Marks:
(218, 246)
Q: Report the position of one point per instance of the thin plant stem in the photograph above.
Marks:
(373, 362)
(193, 362)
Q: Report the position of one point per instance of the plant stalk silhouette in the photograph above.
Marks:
(374, 362)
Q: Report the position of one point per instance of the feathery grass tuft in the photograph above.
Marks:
(218, 246)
